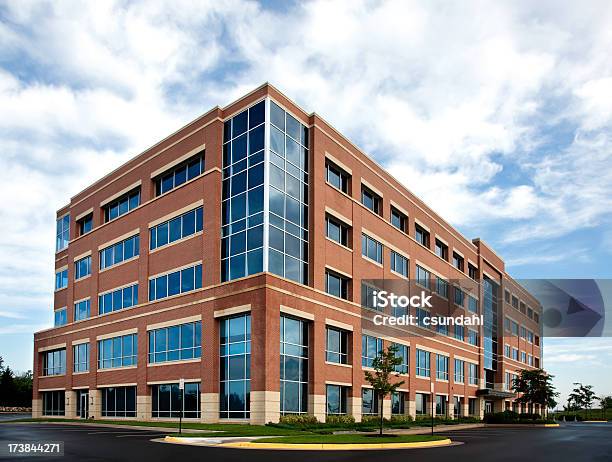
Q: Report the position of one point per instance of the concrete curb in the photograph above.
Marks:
(315, 447)
(550, 425)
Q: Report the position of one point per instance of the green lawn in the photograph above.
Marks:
(226, 429)
(350, 439)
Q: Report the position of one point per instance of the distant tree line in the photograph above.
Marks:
(15, 390)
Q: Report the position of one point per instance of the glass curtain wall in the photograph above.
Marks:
(265, 194)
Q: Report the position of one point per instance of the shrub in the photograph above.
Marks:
(298, 419)
(371, 419)
(529, 416)
(401, 419)
(342, 419)
(502, 417)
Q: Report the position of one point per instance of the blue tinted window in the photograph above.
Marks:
(119, 252)
(175, 343)
(175, 283)
(119, 351)
(122, 205)
(179, 174)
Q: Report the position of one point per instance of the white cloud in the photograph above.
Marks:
(464, 102)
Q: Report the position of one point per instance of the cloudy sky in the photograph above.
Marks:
(497, 114)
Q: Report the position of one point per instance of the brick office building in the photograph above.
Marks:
(231, 254)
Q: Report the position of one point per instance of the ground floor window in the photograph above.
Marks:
(53, 403)
(167, 400)
(235, 367)
(336, 399)
(293, 365)
(119, 402)
(441, 405)
(398, 403)
(457, 406)
(421, 403)
(473, 406)
(369, 402)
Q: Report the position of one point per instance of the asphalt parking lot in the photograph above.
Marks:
(570, 442)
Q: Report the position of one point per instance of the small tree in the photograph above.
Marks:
(384, 366)
(536, 387)
(583, 396)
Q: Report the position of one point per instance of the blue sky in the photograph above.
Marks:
(499, 115)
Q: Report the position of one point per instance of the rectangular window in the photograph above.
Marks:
(336, 346)
(82, 310)
(118, 401)
(506, 296)
(80, 355)
(515, 329)
(371, 200)
(336, 285)
(398, 403)
(422, 277)
(399, 263)
(515, 354)
(459, 296)
(180, 227)
(523, 357)
(61, 279)
(293, 365)
(529, 313)
(175, 283)
(399, 220)
(179, 174)
(337, 177)
(337, 231)
(367, 296)
(167, 401)
(441, 287)
(421, 314)
(421, 403)
(441, 407)
(370, 349)
(422, 363)
(82, 268)
(371, 248)
(122, 205)
(459, 370)
(369, 402)
(235, 367)
(472, 304)
(60, 317)
(441, 250)
(119, 252)
(421, 235)
(473, 374)
(472, 337)
(522, 307)
(473, 406)
(515, 302)
(507, 324)
(442, 329)
(119, 351)
(403, 352)
(457, 261)
(85, 224)
(335, 399)
(459, 332)
(472, 272)
(54, 362)
(507, 351)
(62, 233)
(175, 343)
(118, 299)
(53, 402)
(441, 367)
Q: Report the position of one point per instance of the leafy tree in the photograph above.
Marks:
(583, 396)
(536, 387)
(15, 390)
(384, 366)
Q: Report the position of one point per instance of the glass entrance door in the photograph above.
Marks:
(488, 407)
(84, 405)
